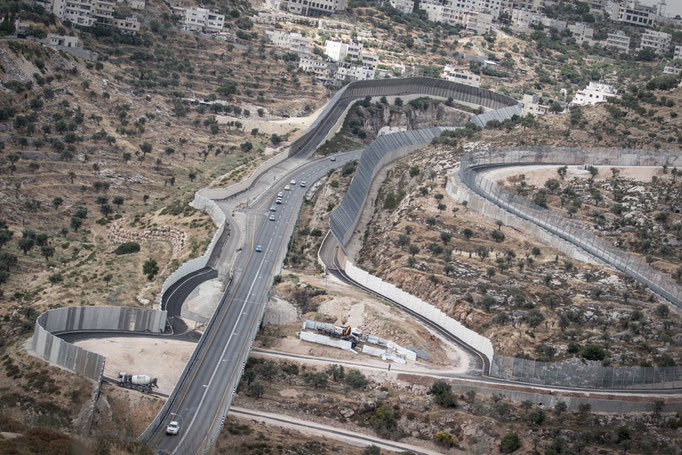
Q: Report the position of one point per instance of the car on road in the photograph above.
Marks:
(272, 217)
(278, 201)
(259, 248)
(280, 194)
(333, 158)
(173, 427)
(287, 187)
(273, 209)
(302, 184)
(293, 182)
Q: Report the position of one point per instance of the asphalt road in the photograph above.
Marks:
(202, 396)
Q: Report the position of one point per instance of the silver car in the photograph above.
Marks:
(173, 427)
(273, 209)
(272, 217)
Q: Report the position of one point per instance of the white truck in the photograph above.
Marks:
(139, 382)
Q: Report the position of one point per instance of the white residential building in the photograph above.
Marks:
(463, 77)
(477, 22)
(634, 13)
(672, 69)
(678, 53)
(137, 4)
(369, 60)
(522, 20)
(619, 41)
(531, 105)
(582, 33)
(459, 12)
(61, 40)
(405, 6)
(529, 5)
(595, 92)
(312, 8)
(293, 42)
(338, 50)
(346, 71)
(659, 42)
(87, 13)
(203, 19)
(323, 70)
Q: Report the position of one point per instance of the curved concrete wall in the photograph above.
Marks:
(433, 314)
(385, 149)
(53, 349)
(557, 225)
(503, 107)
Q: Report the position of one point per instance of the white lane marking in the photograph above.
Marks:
(222, 354)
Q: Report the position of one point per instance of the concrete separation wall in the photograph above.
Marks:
(468, 336)
(560, 227)
(49, 347)
(502, 107)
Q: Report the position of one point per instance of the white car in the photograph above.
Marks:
(333, 158)
(278, 201)
(272, 217)
(173, 427)
(293, 182)
(280, 194)
(302, 184)
(273, 209)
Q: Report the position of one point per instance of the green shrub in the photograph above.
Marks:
(127, 248)
(510, 443)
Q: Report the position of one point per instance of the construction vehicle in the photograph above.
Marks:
(346, 333)
(139, 382)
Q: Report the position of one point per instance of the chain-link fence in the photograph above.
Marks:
(557, 225)
(588, 375)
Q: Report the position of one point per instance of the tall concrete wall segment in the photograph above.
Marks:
(47, 346)
(502, 107)
(468, 336)
(557, 225)
(385, 149)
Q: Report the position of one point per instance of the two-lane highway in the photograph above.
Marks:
(202, 397)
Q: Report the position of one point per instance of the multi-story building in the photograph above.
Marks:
(346, 71)
(312, 8)
(137, 4)
(582, 33)
(672, 69)
(659, 42)
(678, 53)
(476, 22)
(87, 13)
(619, 41)
(461, 12)
(611, 9)
(523, 20)
(529, 5)
(463, 77)
(338, 50)
(405, 6)
(323, 70)
(634, 13)
(203, 19)
(293, 42)
(369, 60)
(530, 104)
(595, 92)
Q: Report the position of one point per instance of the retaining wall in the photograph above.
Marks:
(468, 336)
(49, 347)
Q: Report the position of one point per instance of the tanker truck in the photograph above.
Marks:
(137, 381)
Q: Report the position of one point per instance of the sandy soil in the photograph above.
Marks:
(158, 357)
(203, 300)
(537, 175)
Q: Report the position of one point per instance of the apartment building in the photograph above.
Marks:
(293, 42)
(619, 41)
(463, 77)
(405, 6)
(137, 4)
(369, 60)
(678, 53)
(87, 13)
(659, 42)
(595, 92)
(582, 33)
(346, 71)
(338, 50)
(530, 104)
(199, 19)
(523, 21)
(312, 8)
(529, 5)
(323, 70)
(634, 13)
(478, 21)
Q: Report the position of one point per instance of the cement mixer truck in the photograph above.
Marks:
(137, 381)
